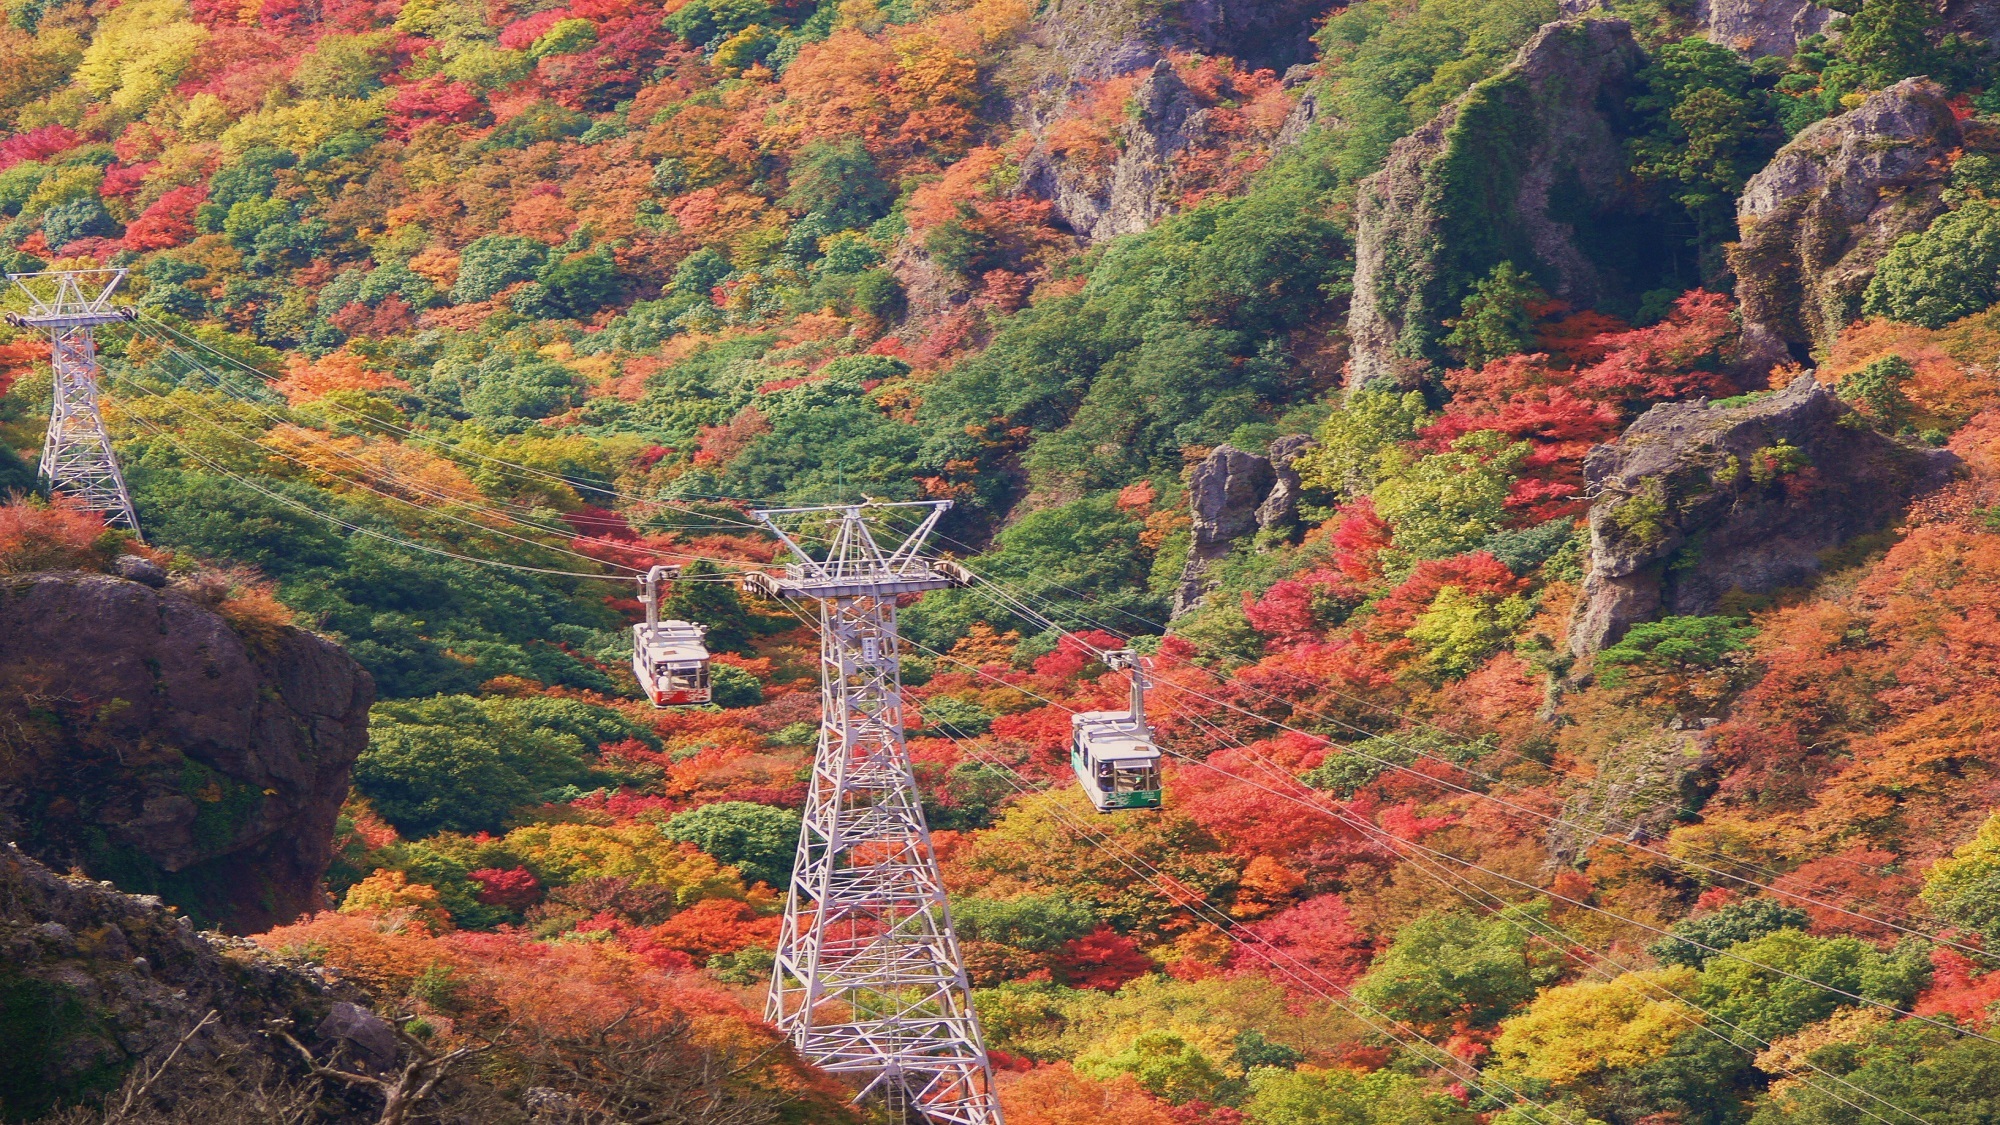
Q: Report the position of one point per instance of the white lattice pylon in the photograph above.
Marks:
(77, 460)
(868, 981)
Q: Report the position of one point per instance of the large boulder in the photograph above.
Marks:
(1528, 166)
(1699, 500)
(151, 743)
(93, 981)
(1134, 190)
(1224, 494)
(1757, 28)
(1817, 220)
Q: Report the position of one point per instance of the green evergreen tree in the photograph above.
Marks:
(1495, 320)
(1890, 40)
(706, 601)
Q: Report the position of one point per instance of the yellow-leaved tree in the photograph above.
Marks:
(140, 49)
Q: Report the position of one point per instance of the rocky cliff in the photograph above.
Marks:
(1077, 42)
(1816, 220)
(1757, 28)
(1133, 192)
(149, 742)
(1528, 166)
(1699, 500)
(1231, 494)
(93, 981)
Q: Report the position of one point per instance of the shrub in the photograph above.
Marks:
(839, 182)
(1494, 320)
(1037, 923)
(960, 717)
(488, 265)
(1744, 920)
(1448, 969)
(459, 764)
(1460, 630)
(53, 535)
(1165, 1063)
(1949, 271)
(731, 686)
(1965, 887)
(757, 840)
(1448, 502)
(1357, 434)
(1877, 391)
(700, 272)
(1673, 645)
(578, 286)
(79, 218)
(566, 37)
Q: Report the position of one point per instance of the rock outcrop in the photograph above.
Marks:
(93, 981)
(1757, 28)
(1305, 112)
(1224, 495)
(1232, 494)
(1280, 509)
(1816, 220)
(1074, 41)
(1132, 193)
(1697, 501)
(1530, 167)
(150, 743)
(1977, 20)
(1100, 191)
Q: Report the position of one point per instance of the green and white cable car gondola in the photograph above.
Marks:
(669, 657)
(1113, 752)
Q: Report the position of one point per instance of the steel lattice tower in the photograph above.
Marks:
(77, 460)
(868, 981)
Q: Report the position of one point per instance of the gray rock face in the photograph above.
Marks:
(1073, 41)
(96, 980)
(1817, 219)
(1696, 501)
(1528, 166)
(1280, 508)
(1224, 495)
(1102, 203)
(1225, 492)
(367, 1037)
(156, 746)
(1757, 28)
(1977, 20)
(1305, 113)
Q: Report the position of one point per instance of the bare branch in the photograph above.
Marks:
(134, 1095)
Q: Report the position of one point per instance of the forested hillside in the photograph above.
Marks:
(1549, 455)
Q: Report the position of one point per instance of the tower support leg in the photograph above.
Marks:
(868, 981)
(77, 460)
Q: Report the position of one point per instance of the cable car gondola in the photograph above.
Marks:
(1113, 752)
(669, 657)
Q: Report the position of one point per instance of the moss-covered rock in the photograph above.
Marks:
(1817, 220)
(150, 743)
(92, 981)
(1529, 167)
(1698, 500)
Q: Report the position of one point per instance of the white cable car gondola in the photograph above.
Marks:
(1113, 753)
(669, 657)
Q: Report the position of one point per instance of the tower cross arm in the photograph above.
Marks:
(69, 299)
(852, 563)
